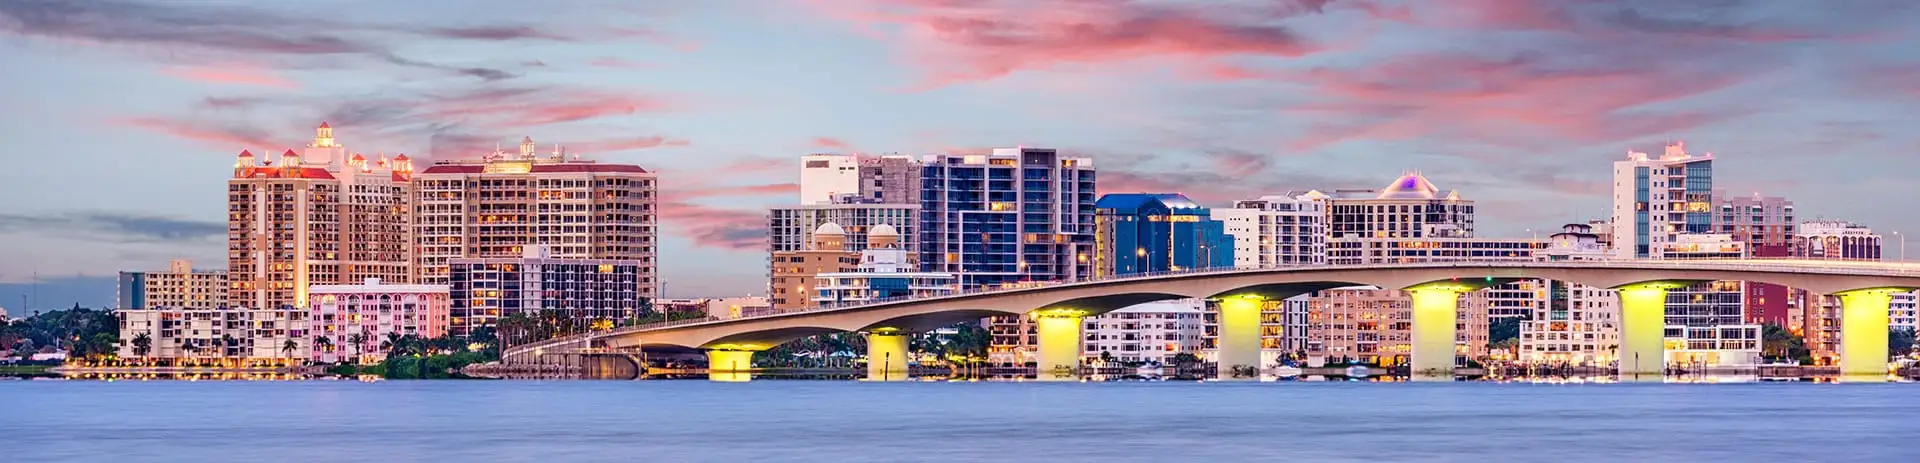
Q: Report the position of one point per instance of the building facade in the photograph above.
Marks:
(890, 179)
(224, 337)
(499, 205)
(1578, 325)
(373, 311)
(825, 177)
(1144, 233)
(1764, 223)
(316, 218)
(1375, 326)
(792, 284)
(1015, 215)
(1655, 199)
(1836, 240)
(1151, 332)
(180, 286)
(1276, 231)
(483, 290)
(1410, 207)
(883, 271)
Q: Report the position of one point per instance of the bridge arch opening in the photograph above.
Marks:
(924, 322)
(1095, 305)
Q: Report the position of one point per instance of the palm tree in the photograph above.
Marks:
(358, 340)
(324, 343)
(289, 347)
(142, 345)
(227, 341)
(393, 344)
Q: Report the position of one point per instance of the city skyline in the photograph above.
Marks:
(1227, 102)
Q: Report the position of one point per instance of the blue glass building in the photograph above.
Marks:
(1015, 215)
(1154, 232)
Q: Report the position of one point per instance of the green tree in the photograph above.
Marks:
(1900, 341)
(323, 343)
(288, 347)
(1777, 342)
(1502, 329)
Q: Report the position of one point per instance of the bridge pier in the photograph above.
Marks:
(1060, 341)
(732, 366)
(1643, 331)
(1863, 334)
(1436, 312)
(887, 355)
(1239, 340)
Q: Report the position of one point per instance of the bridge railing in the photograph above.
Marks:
(1864, 268)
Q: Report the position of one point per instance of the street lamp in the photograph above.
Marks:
(1903, 246)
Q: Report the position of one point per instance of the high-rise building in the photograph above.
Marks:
(1015, 215)
(890, 179)
(1276, 231)
(486, 289)
(497, 206)
(314, 219)
(1147, 232)
(1410, 207)
(825, 178)
(1904, 311)
(372, 310)
(791, 228)
(1657, 199)
(1764, 223)
(794, 271)
(180, 286)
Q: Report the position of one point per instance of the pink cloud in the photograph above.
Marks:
(232, 74)
(612, 62)
(715, 227)
(626, 144)
(969, 41)
(235, 138)
(831, 144)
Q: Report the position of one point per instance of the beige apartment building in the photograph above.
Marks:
(496, 206)
(179, 286)
(228, 337)
(1376, 326)
(320, 217)
(794, 271)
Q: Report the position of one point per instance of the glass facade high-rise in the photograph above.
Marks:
(1147, 232)
(1657, 199)
(1014, 215)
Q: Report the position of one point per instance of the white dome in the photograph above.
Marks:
(883, 229)
(829, 228)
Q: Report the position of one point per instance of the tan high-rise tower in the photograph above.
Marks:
(315, 218)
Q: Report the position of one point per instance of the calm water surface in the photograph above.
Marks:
(555, 421)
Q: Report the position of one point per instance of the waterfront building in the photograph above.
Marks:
(791, 229)
(1578, 325)
(483, 290)
(736, 307)
(223, 336)
(1150, 332)
(1410, 207)
(1147, 232)
(499, 205)
(1656, 199)
(1016, 215)
(1575, 241)
(792, 283)
(883, 271)
(180, 286)
(1277, 230)
(324, 216)
(1724, 346)
(1375, 326)
(373, 310)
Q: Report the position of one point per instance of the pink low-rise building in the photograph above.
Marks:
(373, 310)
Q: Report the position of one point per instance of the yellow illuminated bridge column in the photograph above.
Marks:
(1643, 330)
(887, 355)
(1239, 340)
(1060, 337)
(1863, 333)
(729, 365)
(1436, 311)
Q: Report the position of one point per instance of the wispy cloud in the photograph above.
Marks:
(230, 74)
(118, 227)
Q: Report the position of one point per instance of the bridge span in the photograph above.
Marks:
(1865, 290)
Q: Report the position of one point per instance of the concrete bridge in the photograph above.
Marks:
(1864, 288)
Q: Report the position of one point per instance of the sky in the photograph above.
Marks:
(124, 115)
